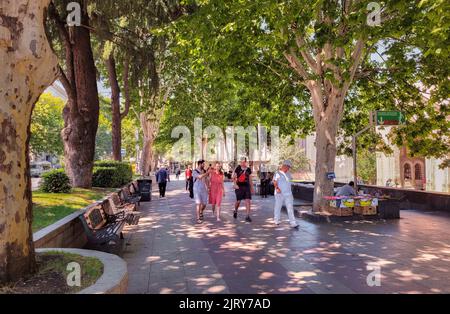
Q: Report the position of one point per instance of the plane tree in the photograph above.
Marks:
(341, 54)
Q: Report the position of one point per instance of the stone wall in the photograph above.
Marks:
(65, 233)
(410, 199)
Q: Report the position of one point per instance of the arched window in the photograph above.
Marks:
(418, 172)
(407, 172)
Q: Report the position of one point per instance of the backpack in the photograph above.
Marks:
(243, 176)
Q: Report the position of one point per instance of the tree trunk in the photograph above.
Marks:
(148, 128)
(147, 156)
(328, 116)
(325, 161)
(28, 66)
(116, 126)
(82, 110)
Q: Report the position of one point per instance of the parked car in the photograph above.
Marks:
(39, 168)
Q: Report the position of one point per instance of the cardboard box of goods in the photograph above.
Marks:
(343, 211)
(348, 203)
(369, 210)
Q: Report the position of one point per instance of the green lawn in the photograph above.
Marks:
(51, 207)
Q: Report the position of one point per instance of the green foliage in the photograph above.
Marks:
(105, 177)
(111, 174)
(290, 150)
(46, 125)
(233, 54)
(367, 166)
(129, 127)
(55, 181)
(103, 142)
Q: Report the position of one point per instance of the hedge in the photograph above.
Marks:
(111, 174)
(55, 181)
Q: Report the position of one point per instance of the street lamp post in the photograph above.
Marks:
(381, 118)
(354, 150)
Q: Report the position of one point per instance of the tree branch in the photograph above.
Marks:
(295, 63)
(356, 58)
(66, 84)
(126, 87)
(301, 44)
(68, 79)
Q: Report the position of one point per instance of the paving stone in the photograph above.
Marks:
(169, 253)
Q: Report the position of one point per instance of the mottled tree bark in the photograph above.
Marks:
(117, 115)
(327, 98)
(28, 67)
(116, 121)
(150, 129)
(150, 122)
(326, 148)
(82, 109)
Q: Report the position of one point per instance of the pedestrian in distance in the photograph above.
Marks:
(188, 175)
(264, 181)
(283, 194)
(162, 177)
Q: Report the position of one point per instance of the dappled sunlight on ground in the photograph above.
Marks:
(168, 253)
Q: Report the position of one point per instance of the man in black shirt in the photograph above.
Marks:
(243, 185)
(264, 177)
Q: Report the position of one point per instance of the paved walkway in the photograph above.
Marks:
(168, 253)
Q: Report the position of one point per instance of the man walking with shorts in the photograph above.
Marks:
(283, 194)
(242, 178)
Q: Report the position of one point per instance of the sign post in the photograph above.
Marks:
(382, 118)
(389, 118)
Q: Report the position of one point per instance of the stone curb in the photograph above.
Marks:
(114, 279)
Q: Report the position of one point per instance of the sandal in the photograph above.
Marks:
(199, 221)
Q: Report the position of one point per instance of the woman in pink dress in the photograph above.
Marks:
(217, 190)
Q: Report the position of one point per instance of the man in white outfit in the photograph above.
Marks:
(283, 194)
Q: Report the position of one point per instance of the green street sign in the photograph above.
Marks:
(389, 118)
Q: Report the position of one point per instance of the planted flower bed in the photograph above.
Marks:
(51, 276)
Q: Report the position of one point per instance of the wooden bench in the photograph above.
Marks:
(113, 206)
(102, 229)
(126, 197)
(133, 187)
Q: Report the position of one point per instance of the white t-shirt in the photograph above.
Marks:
(284, 182)
(199, 184)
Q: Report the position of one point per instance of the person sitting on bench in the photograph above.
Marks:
(346, 190)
